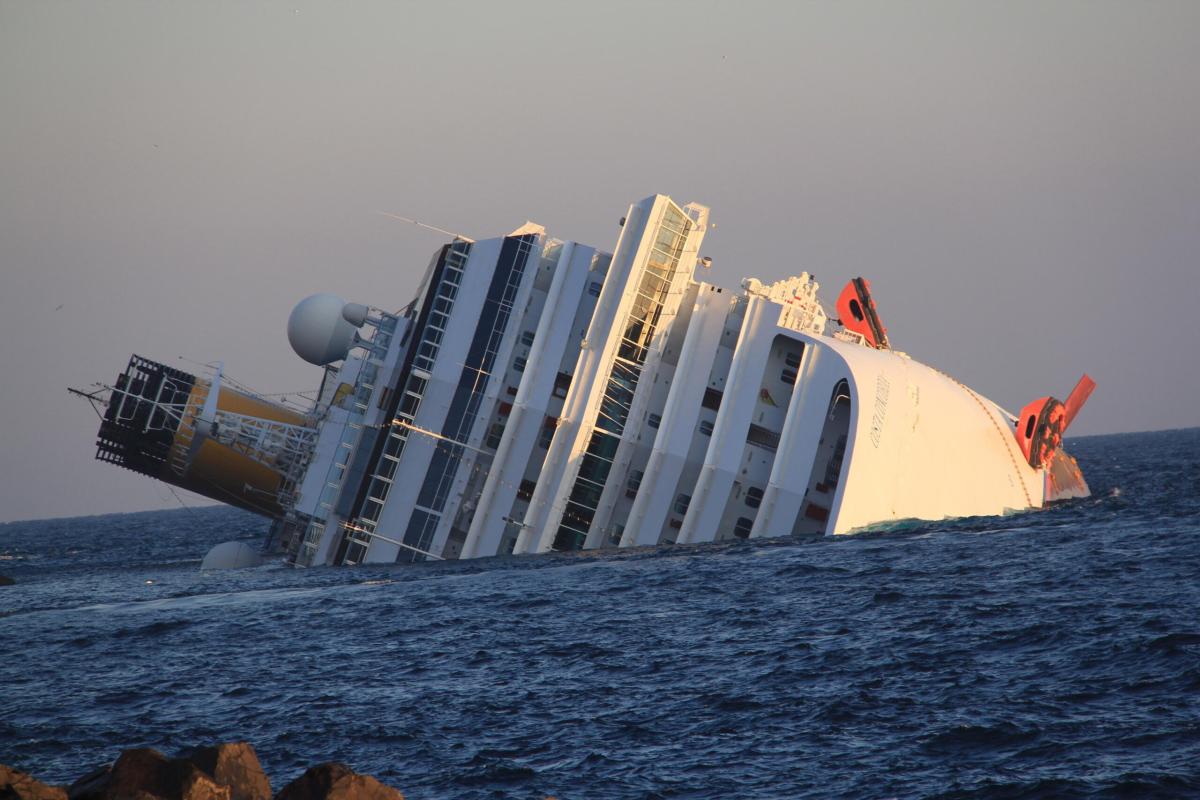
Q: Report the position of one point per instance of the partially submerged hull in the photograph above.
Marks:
(544, 395)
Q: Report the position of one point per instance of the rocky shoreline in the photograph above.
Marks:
(220, 772)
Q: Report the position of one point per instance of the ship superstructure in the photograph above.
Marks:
(541, 395)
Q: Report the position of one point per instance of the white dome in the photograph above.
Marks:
(231, 555)
(317, 330)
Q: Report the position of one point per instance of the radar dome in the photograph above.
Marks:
(317, 330)
(231, 555)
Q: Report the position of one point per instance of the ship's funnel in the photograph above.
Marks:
(321, 328)
(206, 437)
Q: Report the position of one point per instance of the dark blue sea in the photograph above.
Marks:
(1052, 654)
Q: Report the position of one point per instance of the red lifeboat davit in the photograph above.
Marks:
(1042, 423)
(857, 313)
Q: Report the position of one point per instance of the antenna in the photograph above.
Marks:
(423, 225)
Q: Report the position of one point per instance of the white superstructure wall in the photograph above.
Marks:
(476, 298)
(723, 461)
(646, 419)
(687, 421)
(348, 408)
(502, 371)
(653, 262)
(793, 479)
(431, 417)
(542, 395)
(569, 302)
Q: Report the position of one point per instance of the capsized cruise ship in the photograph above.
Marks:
(543, 395)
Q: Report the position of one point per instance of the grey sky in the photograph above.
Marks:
(1019, 181)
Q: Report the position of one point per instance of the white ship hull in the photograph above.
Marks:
(543, 395)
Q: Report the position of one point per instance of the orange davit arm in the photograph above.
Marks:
(857, 312)
(1042, 423)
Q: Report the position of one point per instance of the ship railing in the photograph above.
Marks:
(173, 411)
(361, 536)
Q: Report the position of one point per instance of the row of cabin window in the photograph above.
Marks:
(761, 436)
(753, 499)
(792, 360)
(754, 496)
(654, 420)
(756, 434)
(741, 528)
(706, 427)
(562, 382)
(497, 430)
(712, 399)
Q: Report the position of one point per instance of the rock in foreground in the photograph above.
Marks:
(335, 781)
(142, 773)
(236, 766)
(221, 772)
(16, 785)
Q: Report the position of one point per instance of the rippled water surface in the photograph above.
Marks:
(1047, 654)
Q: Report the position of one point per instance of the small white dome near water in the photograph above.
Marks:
(231, 555)
(319, 331)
